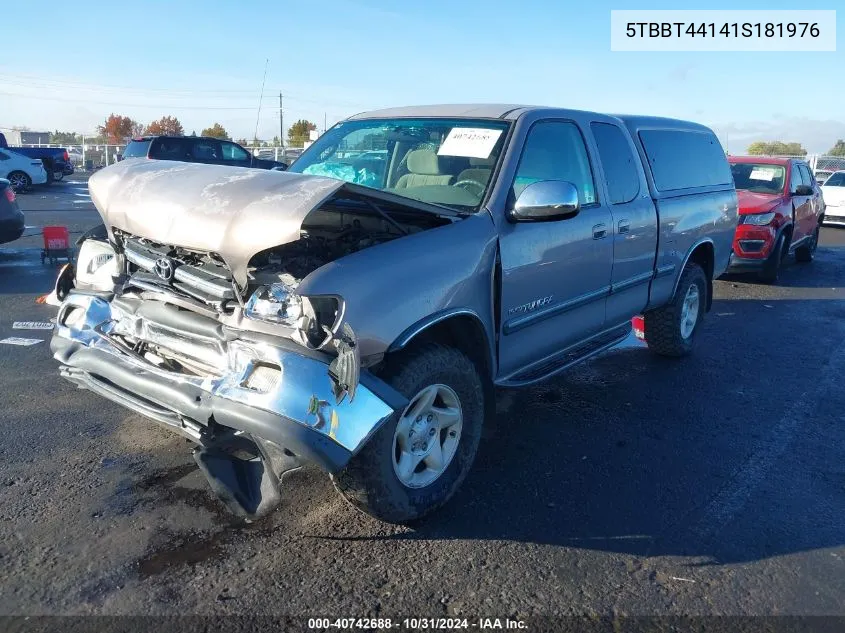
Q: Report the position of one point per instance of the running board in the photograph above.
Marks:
(568, 357)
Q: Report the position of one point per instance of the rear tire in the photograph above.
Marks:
(19, 180)
(805, 254)
(670, 330)
(371, 481)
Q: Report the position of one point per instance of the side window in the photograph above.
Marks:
(806, 176)
(794, 178)
(205, 150)
(685, 159)
(623, 180)
(234, 152)
(169, 149)
(555, 150)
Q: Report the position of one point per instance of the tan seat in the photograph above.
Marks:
(480, 170)
(424, 168)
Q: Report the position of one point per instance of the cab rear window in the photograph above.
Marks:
(685, 159)
(136, 149)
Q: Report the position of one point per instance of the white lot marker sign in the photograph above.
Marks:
(32, 325)
(14, 340)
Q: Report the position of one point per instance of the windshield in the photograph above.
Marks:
(448, 162)
(758, 177)
(136, 149)
(836, 180)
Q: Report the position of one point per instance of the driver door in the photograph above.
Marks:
(555, 274)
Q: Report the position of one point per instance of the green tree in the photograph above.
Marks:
(116, 129)
(166, 126)
(216, 131)
(242, 141)
(838, 149)
(298, 132)
(776, 148)
(65, 138)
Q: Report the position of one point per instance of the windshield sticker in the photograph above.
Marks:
(469, 142)
(760, 173)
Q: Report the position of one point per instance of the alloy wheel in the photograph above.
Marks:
(427, 436)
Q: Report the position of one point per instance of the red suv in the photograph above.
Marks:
(780, 212)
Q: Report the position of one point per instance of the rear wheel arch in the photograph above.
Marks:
(704, 255)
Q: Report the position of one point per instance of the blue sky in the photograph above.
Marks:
(203, 62)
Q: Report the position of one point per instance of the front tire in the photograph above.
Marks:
(670, 330)
(770, 272)
(419, 457)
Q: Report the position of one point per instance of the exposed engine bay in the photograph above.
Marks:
(330, 233)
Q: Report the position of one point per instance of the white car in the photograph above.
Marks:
(21, 171)
(833, 192)
(821, 175)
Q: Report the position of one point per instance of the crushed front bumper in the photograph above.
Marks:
(301, 411)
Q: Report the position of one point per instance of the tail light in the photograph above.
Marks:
(638, 325)
(10, 195)
(67, 158)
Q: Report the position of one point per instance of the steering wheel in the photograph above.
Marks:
(470, 184)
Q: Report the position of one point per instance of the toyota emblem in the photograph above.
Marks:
(164, 268)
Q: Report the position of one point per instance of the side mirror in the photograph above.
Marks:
(803, 190)
(545, 201)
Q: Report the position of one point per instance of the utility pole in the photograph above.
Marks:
(324, 122)
(281, 123)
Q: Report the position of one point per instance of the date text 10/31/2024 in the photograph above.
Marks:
(415, 624)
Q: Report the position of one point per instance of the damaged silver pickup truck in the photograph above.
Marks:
(358, 310)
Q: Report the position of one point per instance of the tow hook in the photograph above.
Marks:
(246, 472)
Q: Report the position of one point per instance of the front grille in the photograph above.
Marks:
(170, 268)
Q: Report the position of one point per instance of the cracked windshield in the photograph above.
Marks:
(439, 161)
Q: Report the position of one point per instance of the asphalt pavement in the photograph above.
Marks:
(632, 485)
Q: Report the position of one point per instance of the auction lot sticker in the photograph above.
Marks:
(14, 340)
(470, 142)
(724, 30)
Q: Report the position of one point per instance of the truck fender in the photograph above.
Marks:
(709, 273)
(430, 321)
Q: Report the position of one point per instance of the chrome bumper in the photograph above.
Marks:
(302, 412)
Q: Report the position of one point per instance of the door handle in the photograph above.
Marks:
(599, 231)
(624, 226)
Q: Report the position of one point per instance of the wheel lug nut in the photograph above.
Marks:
(429, 418)
(431, 431)
(419, 418)
(425, 447)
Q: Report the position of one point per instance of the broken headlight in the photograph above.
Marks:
(314, 319)
(96, 264)
(276, 303)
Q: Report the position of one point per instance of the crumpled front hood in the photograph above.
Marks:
(750, 202)
(232, 211)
